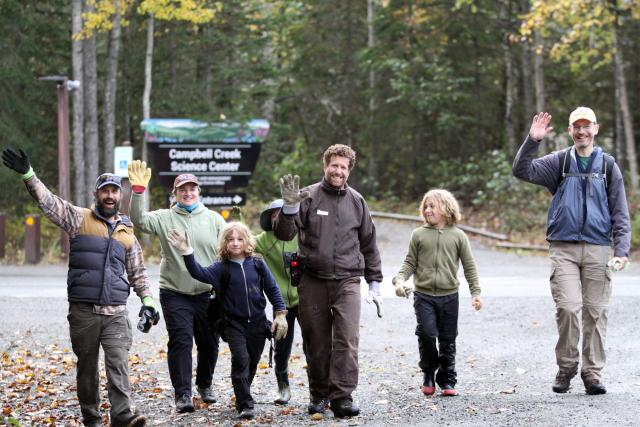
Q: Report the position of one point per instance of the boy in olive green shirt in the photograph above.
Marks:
(435, 251)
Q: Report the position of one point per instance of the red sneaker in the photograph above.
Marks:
(448, 390)
(428, 391)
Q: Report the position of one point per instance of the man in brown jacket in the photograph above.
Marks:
(337, 245)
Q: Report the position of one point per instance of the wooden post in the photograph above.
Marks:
(32, 239)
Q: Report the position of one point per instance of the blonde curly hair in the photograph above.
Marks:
(445, 202)
(243, 231)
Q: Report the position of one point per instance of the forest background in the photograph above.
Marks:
(430, 93)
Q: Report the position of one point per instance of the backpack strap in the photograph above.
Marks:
(565, 165)
(259, 263)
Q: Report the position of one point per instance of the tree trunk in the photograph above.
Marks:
(79, 189)
(510, 132)
(148, 63)
(91, 154)
(126, 92)
(527, 88)
(372, 167)
(110, 90)
(623, 104)
(538, 71)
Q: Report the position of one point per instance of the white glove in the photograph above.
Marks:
(180, 242)
(374, 296)
(618, 263)
(402, 290)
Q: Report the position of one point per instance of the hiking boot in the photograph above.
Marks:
(134, 420)
(594, 387)
(562, 384)
(206, 394)
(344, 407)
(449, 390)
(317, 405)
(284, 393)
(184, 404)
(247, 414)
(428, 384)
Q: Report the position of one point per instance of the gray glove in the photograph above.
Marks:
(402, 290)
(290, 192)
(374, 296)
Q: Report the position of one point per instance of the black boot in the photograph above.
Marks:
(284, 393)
(428, 363)
(344, 407)
(447, 375)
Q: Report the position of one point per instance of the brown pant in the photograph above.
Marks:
(330, 321)
(580, 282)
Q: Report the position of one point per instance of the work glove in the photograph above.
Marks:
(17, 162)
(280, 325)
(402, 290)
(476, 302)
(180, 242)
(236, 214)
(291, 194)
(139, 176)
(374, 296)
(618, 263)
(148, 315)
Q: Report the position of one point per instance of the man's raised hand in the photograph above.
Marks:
(17, 162)
(540, 126)
(290, 190)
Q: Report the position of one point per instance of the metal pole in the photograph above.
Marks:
(63, 156)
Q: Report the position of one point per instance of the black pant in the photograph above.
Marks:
(437, 319)
(246, 341)
(283, 347)
(186, 319)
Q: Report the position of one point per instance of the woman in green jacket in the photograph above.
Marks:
(184, 300)
(277, 254)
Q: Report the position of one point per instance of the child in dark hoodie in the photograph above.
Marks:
(243, 297)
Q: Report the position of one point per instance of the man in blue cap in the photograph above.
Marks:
(103, 248)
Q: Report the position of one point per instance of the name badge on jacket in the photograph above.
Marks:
(321, 212)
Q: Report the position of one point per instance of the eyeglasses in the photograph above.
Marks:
(578, 128)
(108, 178)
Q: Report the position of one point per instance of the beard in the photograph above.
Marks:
(105, 211)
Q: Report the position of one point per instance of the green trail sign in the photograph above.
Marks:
(222, 155)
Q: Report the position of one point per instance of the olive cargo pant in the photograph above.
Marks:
(88, 332)
(580, 283)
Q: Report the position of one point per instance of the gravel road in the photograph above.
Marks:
(505, 358)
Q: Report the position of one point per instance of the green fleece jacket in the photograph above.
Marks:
(272, 249)
(433, 259)
(203, 227)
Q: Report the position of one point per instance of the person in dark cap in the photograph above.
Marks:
(184, 300)
(277, 254)
(103, 249)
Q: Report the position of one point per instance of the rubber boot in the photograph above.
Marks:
(447, 375)
(284, 393)
(428, 363)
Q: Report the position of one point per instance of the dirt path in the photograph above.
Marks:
(505, 358)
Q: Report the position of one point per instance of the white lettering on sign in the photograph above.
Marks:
(234, 154)
(223, 167)
(175, 153)
(221, 200)
(188, 167)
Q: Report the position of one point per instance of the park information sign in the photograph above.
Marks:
(222, 155)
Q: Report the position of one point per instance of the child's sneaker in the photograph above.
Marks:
(428, 384)
(449, 390)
